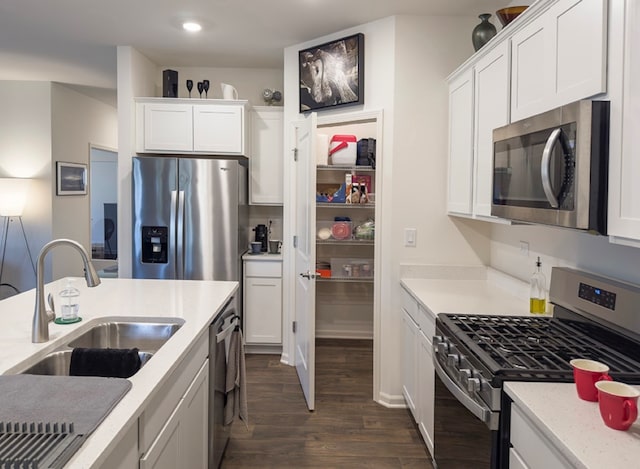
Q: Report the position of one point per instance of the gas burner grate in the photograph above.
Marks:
(37, 445)
(541, 348)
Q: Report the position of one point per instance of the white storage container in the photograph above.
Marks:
(343, 150)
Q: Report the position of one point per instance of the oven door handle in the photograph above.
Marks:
(483, 413)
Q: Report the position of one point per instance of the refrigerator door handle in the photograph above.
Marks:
(180, 237)
(172, 230)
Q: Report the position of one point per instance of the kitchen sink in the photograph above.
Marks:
(145, 334)
(57, 363)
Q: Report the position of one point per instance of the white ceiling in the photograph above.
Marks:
(73, 41)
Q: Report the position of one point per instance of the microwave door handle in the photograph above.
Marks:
(545, 165)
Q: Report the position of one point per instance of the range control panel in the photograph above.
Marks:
(598, 296)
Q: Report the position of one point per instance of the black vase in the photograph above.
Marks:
(483, 32)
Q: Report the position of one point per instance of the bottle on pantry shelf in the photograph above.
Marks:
(69, 306)
(538, 294)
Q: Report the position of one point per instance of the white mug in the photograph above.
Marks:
(228, 91)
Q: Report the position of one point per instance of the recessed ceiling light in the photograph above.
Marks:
(191, 27)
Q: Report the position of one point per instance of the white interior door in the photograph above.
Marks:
(305, 256)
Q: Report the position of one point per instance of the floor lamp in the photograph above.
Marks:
(13, 196)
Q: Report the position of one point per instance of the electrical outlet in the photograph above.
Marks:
(410, 235)
(524, 248)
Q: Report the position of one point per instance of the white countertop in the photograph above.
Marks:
(263, 256)
(197, 302)
(495, 294)
(575, 427)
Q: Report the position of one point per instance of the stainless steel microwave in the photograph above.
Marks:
(552, 168)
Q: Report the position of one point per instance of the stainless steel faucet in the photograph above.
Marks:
(42, 317)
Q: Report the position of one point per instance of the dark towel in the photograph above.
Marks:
(105, 362)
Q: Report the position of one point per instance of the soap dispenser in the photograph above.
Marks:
(538, 294)
(69, 306)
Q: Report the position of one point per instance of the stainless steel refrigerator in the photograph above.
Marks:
(190, 218)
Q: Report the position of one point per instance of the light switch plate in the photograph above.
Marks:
(410, 235)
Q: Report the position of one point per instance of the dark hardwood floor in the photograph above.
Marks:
(347, 429)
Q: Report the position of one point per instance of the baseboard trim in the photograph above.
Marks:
(284, 359)
(392, 401)
(343, 334)
(263, 349)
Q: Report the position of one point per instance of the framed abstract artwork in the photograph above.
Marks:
(332, 74)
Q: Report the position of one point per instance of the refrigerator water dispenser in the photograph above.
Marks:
(154, 244)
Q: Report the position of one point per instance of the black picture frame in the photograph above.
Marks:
(71, 178)
(332, 74)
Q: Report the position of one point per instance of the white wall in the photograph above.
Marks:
(427, 50)
(379, 75)
(136, 77)
(140, 77)
(407, 60)
(248, 81)
(25, 151)
(561, 247)
(76, 122)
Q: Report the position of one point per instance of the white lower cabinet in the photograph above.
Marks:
(410, 359)
(418, 369)
(182, 442)
(425, 389)
(530, 448)
(263, 301)
(125, 454)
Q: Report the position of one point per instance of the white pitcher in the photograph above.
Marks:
(228, 91)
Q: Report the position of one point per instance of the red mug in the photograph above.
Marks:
(586, 373)
(618, 404)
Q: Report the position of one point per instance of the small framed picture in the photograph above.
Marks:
(71, 178)
(332, 74)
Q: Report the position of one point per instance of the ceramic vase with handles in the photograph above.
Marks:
(483, 32)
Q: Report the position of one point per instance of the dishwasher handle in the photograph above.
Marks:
(225, 332)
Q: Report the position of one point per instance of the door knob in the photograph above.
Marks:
(308, 275)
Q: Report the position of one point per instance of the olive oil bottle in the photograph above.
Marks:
(538, 295)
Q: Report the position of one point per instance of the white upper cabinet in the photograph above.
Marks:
(559, 57)
(460, 144)
(267, 156)
(624, 158)
(168, 125)
(554, 54)
(531, 87)
(218, 129)
(492, 111)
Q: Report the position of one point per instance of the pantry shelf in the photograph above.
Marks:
(345, 206)
(345, 279)
(363, 169)
(351, 242)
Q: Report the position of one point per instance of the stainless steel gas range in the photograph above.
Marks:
(594, 317)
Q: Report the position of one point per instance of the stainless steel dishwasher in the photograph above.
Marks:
(219, 335)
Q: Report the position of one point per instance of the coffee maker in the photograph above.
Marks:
(262, 235)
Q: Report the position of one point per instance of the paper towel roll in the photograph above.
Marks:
(322, 149)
